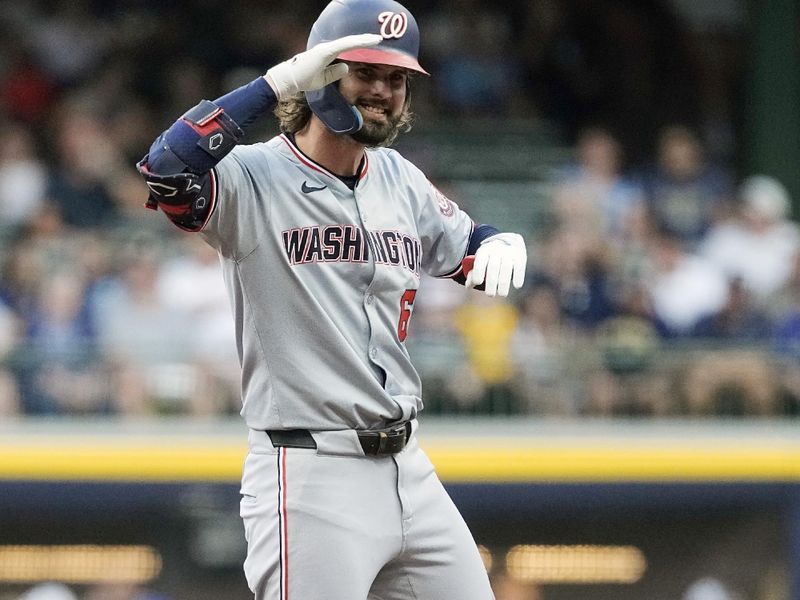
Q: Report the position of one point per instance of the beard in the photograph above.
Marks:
(373, 133)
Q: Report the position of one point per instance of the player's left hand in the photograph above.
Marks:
(500, 261)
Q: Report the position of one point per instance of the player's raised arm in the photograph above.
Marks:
(178, 166)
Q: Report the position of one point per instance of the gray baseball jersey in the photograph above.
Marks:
(322, 280)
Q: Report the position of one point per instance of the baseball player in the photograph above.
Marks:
(322, 233)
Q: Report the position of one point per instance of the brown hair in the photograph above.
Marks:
(293, 114)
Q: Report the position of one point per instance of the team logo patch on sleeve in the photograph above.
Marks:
(446, 206)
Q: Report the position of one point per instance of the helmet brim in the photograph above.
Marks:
(379, 56)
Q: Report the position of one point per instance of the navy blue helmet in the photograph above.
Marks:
(399, 48)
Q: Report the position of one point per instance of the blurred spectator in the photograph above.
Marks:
(685, 193)
(136, 333)
(594, 199)
(42, 247)
(599, 245)
(759, 244)
(543, 351)
(63, 372)
(487, 326)
(740, 321)
(683, 287)
(628, 381)
(114, 95)
(191, 284)
(582, 275)
(87, 165)
(23, 177)
(743, 380)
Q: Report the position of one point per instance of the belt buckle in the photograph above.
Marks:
(388, 441)
(383, 440)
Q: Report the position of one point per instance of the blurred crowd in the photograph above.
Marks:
(662, 282)
(666, 289)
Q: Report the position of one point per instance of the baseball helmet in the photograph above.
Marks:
(399, 47)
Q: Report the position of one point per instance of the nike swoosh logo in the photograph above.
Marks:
(307, 189)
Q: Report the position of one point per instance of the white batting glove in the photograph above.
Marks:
(312, 69)
(500, 261)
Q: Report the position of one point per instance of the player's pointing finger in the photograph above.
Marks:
(478, 273)
(493, 273)
(504, 277)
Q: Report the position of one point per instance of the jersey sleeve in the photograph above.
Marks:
(242, 201)
(444, 231)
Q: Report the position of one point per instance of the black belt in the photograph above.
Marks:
(374, 442)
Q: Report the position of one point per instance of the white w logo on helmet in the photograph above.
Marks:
(393, 25)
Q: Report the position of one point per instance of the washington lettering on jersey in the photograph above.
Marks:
(350, 243)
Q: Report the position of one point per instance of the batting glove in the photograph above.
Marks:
(500, 261)
(312, 69)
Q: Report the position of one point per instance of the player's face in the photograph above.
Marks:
(379, 94)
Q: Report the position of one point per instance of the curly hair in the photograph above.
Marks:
(294, 114)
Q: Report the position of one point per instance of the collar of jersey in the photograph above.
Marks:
(312, 164)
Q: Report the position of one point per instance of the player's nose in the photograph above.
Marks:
(380, 88)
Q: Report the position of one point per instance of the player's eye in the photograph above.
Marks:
(365, 74)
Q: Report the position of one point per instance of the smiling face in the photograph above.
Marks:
(379, 92)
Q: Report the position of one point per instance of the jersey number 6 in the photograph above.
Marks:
(406, 307)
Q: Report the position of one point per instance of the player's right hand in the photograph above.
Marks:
(312, 69)
(499, 262)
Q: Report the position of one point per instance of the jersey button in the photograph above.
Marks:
(364, 216)
(370, 298)
(373, 352)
